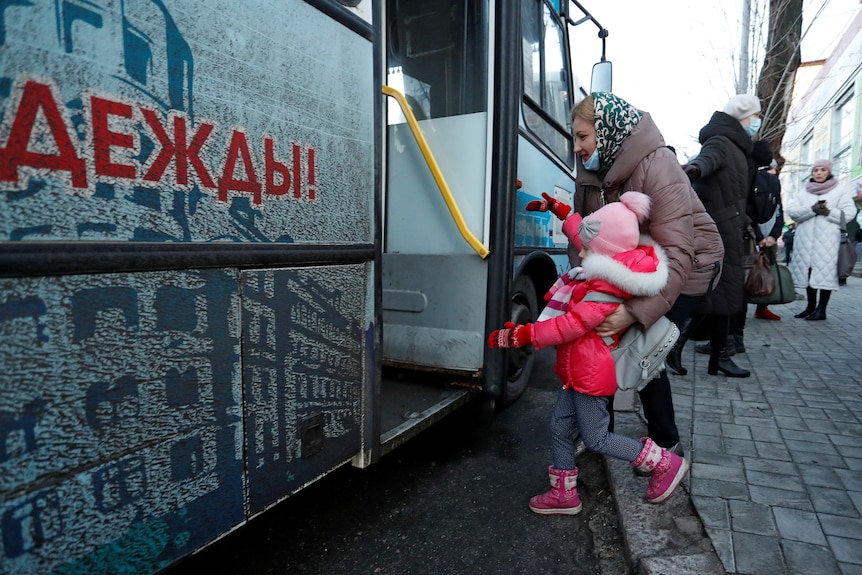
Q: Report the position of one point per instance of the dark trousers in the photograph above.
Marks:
(657, 398)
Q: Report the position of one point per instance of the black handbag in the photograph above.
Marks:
(784, 291)
(846, 253)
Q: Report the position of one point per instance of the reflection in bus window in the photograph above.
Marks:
(555, 99)
(547, 95)
(440, 73)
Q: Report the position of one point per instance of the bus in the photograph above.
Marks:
(241, 248)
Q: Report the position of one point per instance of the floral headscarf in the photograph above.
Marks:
(615, 120)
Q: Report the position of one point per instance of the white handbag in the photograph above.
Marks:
(639, 358)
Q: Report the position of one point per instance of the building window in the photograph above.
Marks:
(805, 160)
(842, 135)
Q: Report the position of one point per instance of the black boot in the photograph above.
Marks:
(820, 312)
(804, 313)
(721, 362)
(812, 303)
(674, 358)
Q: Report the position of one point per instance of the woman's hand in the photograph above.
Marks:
(767, 242)
(616, 322)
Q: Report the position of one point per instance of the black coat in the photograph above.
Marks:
(726, 176)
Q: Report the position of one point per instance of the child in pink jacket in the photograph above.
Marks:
(616, 260)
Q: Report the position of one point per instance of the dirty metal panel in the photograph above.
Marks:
(303, 337)
(182, 121)
(120, 432)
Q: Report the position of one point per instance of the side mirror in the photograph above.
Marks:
(602, 80)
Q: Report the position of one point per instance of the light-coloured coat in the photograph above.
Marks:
(815, 244)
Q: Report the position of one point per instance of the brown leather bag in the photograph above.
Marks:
(760, 281)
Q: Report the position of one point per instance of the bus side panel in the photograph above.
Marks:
(182, 121)
(303, 374)
(120, 432)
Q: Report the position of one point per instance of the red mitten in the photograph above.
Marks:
(555, 206)
(513, 335)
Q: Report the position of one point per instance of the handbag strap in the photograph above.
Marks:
(603, 298)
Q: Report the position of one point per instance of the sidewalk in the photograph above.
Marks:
(776, 480)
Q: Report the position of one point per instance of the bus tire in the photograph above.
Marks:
(519, 366)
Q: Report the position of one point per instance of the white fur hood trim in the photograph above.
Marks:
(599, 266)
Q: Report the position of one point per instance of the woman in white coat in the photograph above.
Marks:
(817, 212)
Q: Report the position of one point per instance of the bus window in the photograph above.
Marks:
(438, 56)
(547, 96)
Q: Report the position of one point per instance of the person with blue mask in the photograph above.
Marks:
(722, 175)
(619, 148)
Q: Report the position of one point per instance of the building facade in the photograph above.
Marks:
(825, 119)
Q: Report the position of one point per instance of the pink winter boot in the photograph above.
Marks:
(667, 470)
(562, 499)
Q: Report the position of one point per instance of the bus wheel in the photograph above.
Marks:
(525, 309)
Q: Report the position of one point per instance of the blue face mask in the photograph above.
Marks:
(752, 127)
(593, 163)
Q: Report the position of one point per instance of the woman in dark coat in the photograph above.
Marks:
(721, 176)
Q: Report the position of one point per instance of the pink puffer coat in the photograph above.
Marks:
(584, 362)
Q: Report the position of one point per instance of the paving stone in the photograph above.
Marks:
(799, 525)
(752, 413)
(842, 526)
(805, 436)
(852, 481)
(775, 480)
(856, 497)
(713, 511)
(822, 426)
(715, 488)
(807, 558)
(832, 501)
(820, 476)
(769, 434)
(720, 472)
(722, 541)
(757, 554)
(770, 466)
(791, 423)
(815, 458)
(846, 550)
(736, 431)
(749, 517)
(739, 446)
(772, 496)
(851, 452)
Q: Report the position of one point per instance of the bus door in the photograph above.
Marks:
(434, 271)
(490, 85)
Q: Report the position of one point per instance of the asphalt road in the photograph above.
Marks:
(451, 501)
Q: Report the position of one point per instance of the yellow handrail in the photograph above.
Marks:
(435, 171)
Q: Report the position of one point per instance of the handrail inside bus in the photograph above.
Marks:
(478, 246)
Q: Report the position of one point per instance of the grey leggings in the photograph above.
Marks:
(577, 413)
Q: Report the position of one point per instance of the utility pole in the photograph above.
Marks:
(745, 33)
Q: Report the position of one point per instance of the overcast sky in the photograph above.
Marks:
(679, 60)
